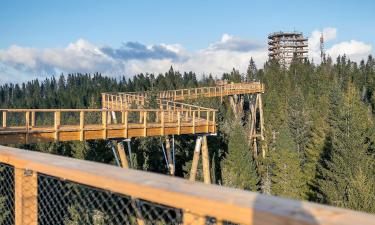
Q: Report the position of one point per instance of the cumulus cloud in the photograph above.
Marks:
(129, 59)
(353, 49)
(136, 50)
(22, 63)
(231, 43)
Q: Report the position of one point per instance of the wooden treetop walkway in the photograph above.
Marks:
(117, 119)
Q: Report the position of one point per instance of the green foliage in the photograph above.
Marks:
(238, 168)
(286, 173)
(347, 174)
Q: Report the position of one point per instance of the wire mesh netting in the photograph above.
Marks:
(68, 203)
(6, 194)
(64, 202)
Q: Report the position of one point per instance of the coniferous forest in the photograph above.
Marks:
(319, 124)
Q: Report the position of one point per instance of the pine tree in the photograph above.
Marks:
(238, 168)
(347, 174)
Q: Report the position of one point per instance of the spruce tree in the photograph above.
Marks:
(286, 173)
(347, 174)
(238, 168)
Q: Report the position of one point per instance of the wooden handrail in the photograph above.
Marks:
(199, 199)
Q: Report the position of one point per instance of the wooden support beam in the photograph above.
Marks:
(261, 118)
(205, 161)
(122, 154)
(194, 164)
(25, 197)
(169, 155)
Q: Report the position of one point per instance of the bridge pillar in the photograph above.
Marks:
(122, 154)
(170, 157)
(201, 144)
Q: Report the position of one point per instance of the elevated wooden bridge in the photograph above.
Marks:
(117, 119)
(136, 114)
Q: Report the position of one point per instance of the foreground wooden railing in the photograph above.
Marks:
(41, 181)
(36, 125)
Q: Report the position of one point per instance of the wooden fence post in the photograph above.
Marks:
(145, 123)
(33, 119)
(4, 119)
(104, 123)
(81, 125)
(57, 124)
(25, 197)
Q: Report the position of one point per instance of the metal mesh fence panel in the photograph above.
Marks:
(6, 194)
(64, 202)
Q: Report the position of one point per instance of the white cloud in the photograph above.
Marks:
(22, 63)
(353, 49)
(131, 58)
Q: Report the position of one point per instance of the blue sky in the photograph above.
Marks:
(185, 28)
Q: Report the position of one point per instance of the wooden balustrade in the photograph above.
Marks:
(197, 201)
(74, 124)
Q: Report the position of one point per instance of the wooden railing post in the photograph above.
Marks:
(193, 122)
(104, 123)
(33, 119)
(162, 123)
(103, 101)
(57, 124)
(25, 197)
(125, 121)
(27, 123)
(4, 119)
(179, 122)
(81, 125)
(207, 120)
(214, 121)
(27, 120)
(145, 123)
